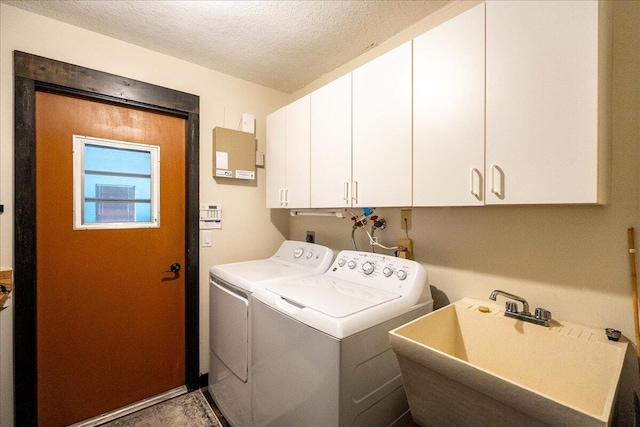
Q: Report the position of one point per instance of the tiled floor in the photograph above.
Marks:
(216, 411)
(226, 424)
(190, 409)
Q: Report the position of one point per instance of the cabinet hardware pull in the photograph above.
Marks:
(280, 196)
(354, 192)
(477, 194)
(345, 193)
(500, 192)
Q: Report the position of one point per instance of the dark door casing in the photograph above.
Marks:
(35, 73)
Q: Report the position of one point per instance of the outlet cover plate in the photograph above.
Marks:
(311, 237)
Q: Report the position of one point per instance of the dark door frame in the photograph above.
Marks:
(34, 73)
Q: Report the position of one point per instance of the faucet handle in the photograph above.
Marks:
(511, 306)
(542, 314)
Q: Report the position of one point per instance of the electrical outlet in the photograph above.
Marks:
(405, 219)
(311, 236)
(405, 248)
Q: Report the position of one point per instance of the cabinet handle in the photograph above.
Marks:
(286, 197)
(345, 193)
(281, 196)
(500, 192)
(477, 194)
(354, 192)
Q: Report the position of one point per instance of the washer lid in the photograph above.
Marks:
(333, 297)
(249, 274)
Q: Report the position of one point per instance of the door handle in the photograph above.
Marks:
(174, 268)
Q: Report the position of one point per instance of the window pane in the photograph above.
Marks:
(115, 186)
(100, 212)
(109, 159)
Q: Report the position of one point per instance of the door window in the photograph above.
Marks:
(116, 184)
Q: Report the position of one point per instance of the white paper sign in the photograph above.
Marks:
(240, 174)
(222, 160)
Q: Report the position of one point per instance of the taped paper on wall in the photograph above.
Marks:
(222, 160)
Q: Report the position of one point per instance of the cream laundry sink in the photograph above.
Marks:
(464, 367)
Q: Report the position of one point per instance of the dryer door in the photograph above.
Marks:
(230, 329)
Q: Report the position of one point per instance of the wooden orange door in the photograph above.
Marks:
(111, 320)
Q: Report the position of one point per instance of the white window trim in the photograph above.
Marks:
(79, 143)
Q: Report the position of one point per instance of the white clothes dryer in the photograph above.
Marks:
(321, 351)
(230, 287)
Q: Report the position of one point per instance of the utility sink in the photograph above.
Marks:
(463, 366)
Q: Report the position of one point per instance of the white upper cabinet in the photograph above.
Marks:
(382, 130)
(298, 153)
(546, 74)
(331, 144)
(275, 158)
(288, 156)
(507, 103)
(448, 113)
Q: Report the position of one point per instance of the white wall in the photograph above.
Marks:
(249, 229)
(572, 260)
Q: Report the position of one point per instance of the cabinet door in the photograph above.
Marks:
(448, 113)
(542, 102)
(275, 158)
(331, 144)
(382, 130)
(298, 137)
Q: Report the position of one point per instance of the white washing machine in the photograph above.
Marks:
(230, 287)
(320, 351)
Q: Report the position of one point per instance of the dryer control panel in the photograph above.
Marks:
(379, 271)
(304, 254)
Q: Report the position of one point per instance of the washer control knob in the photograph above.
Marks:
(368, 267)
(341, 262)
(387, 272)
(309, 255)
(352, 264)
(298, 253)
(402, 274)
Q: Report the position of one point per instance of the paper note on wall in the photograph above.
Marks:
(222, 160)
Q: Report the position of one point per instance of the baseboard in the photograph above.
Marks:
(204, 380)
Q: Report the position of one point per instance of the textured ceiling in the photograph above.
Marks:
(279, 44)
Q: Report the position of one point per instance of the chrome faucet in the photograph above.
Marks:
(525, 304)
(541, 317)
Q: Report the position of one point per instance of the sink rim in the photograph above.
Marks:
(597, 335)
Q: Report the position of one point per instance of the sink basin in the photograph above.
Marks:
(462, 366)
